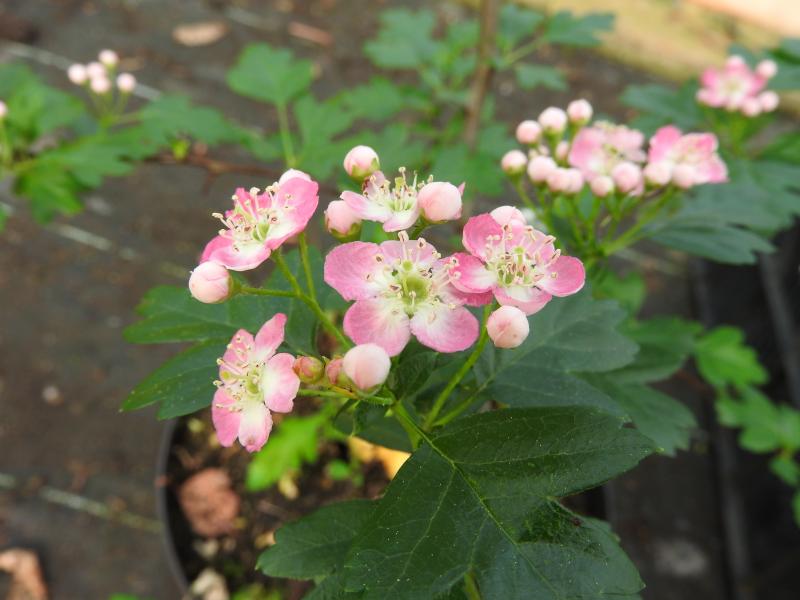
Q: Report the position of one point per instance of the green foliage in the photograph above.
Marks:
(660, 105)
(516, 24)
(404, 40)
(766, 427)
(723, 359)
(567, 29)
(270, 74)
(170, 117)
(532, 76)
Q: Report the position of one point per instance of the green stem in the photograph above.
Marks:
(251, 291)
(286, 135)
(307, 266)
(459, 408)
(324, 393)
(633, 234)
(521, 52)
(418, 229)
(441, 399)
(471, 587)
(405, 420)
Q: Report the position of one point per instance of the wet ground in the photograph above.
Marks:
(76, 476)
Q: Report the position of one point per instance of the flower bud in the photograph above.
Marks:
(751, 107)
(602, 186)
(126, 83)
(292, 174)
(514, 162)
(528, 132)
(100, 85)
(735, 61)
(210, 283)
(768, 100)
(553, 120)
(627, 177)
(683, 176)
(367, 365)
(341, 221)
(77, 74)
(559, 180)
(508, 214)
(562, 150)
(361, 162)
(95, 70)
(440, 201)
(334, 373)
(658, 174)
(540, 168)
(767, 69)
(508, 327)
(3, 110)
(308, 369)
(109, 58)
(580, 112)
(574, 181)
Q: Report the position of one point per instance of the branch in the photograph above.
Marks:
(484, 71)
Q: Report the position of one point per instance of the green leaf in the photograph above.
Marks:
(90, 159)
(172, 116)
(270, 74)
(404, 40)
(315, 545)
(531, 76)
(480, 497)
(629, 290)
(292, 445)
(319, 123)
(50, 190)
(786, 468)
(414, 368)
(661, 105)
(569, 30)
(724, 359)
(377, 100)
(517, 24)
(766, 426)
(35, 109)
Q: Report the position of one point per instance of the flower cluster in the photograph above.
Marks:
(97, 76)
(566, 153)
(737, 88)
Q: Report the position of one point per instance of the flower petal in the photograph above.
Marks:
(477, 231)
(366, 208)
(380, 321)
(297, 200)
(471, 275)
(280, 383)
(226, 420)
(443, 328)
(420, 252)
(241, 344)
(402, 220)
(270, 336)
(254, 426)
(350, 269)
(243, 258)
(564, 277)
(528, 299)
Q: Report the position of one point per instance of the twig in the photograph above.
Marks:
(484, 70)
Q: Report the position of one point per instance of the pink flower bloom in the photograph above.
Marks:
(528, 132)
(596, 150)
(508, 327)
(397, 206)
(440, 201)
(692, 158)
(210, 282)
(730, 86)
(95, 70)
(340, 220)
(253, 381)
(260, 222)
(367, 365)
(516, 263)
(514, 162)
(361, 162)
(401, 288)
(291, 174)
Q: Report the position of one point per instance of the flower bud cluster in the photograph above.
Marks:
(100, 76)
(736, 87)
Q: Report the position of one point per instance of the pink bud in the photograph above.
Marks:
(361, 162)
(768, 100)
(767, 69)
(367, 365)
(126, 83)
(553, 120)
(658, 174)
(308, 369)
(751, 107)
(579, 111)
(627, 177)
(77, 74)
(210, 282)
(602, 186)
(508, 214)
(109, 58)
(440, 201)
(508, 327)
(540, 168)
(100, 85)
(683, 176)
(514, 162)
(562, 149)
(735, 61)
(95, 70)
(340, 220)
(559, 180)
(3, 110)
(334, 372)
(291, 174)
(528, 132)
(575, 181)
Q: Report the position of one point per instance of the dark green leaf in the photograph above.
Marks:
(517, 24)
(50, 190)
(569, 30)
(170, 117)
(664, 345)
(531, 76)
(404, 40)
(377, 100)
(270, 74)
(660, 105)
(724, 359)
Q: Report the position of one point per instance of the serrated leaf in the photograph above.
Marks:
(517, 23)
(50, 190)
(724, 359)
(568, 29)
(661, 105)
(90, 159)
(377, 100)
(319, 123)
(173, 116)
(270, 74)
(531, 76)
(479, 497)
(404, 40)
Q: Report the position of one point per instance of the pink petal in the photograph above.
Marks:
(564, 277)
(471, 275)
(420, 252)
(710, 78)
(247, 257)
(662, 143)
(402, 220)
(226, 421)
(240, 345)
(477, 231)
(270, 336)
(528, 299)
(280, 383)
(380, 321)
(366, 208)
(254, 426)
(717, 170)
(349, 269)
(298, 198)
(373, 183)
(445, 329)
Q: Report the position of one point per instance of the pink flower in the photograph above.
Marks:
(730, 86)
(397, 206)
(508, 327)
(100, 85)
(361, 162)
(516, 263)
(210, 282)
(440, 201)
(77, 74)
(528, 132)
(627, 178)
(253, 381)
(691, 158)
(580, 111)
(553, 120)
(596, 150)
(401, 288)
(126, 83)
(514, 162)
(767, 69)
(602, 186)
(540, 168)
(508, 214)
(109, 58)
(768, 101)
(340, 220)
(559, 180)
(260, 222)
(367, 365)
(95, 70)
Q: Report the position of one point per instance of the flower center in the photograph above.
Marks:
(241, 377)
(252, 217)
(398, 198)
(518, 261)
